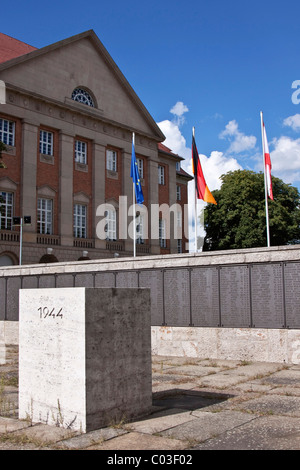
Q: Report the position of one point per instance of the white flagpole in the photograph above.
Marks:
(133, 197)
(265, 178)
(196, 245)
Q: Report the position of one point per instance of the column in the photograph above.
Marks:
(28, 182)
(66, 152)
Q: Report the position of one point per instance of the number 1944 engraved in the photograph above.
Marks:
(46, 312)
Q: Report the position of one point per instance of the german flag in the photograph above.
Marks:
(202, 190)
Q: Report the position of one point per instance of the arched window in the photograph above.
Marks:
(82, 96)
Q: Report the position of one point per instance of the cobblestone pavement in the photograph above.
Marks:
(198, 404)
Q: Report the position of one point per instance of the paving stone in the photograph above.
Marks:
(194, 370)
(92, 438)
(9, 425)
(261, 433)
(161, 421)
(139, 441)
(43, 434)
(284, 377)
(273, 404)
(208, 424)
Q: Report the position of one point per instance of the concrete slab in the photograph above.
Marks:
(138, 441)
(261, 433)
(207, 425)
(255, 369)
(10, 425)
(90, 439)
(222, 380)
(273, 405)
(42, 434)
(195, 370)
(284, 377)
(161, 421)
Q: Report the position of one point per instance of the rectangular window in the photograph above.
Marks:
(45, 216)
(140, 163)
(6, 210)
(111, 225)
(179, 246)
(46, 143)
(178, 193)
(111, 160)
(161, 174)
(162, 233)
(7, 132)
(80, 152)
(80, 222)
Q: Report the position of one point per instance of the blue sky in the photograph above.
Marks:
(210, 64)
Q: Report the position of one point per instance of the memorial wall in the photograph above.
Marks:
(257, 288)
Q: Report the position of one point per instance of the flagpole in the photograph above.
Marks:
(195, 207)
(265, 178)
(133, 197)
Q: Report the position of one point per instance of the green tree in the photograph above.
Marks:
(239, 218)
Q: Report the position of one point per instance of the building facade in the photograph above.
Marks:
(67, 125)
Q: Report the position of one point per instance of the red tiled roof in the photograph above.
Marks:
(182, 172)
(11, 48)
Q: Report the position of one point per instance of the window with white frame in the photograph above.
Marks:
(80, 221)
(178, 166)
(161, 174)
(140, 163)
(111, 224)
(80, 152)
(111, 160)
(178, 193)
(44, 216)
(7, 132)
(162, 233)
(6, 210)
(46, 143)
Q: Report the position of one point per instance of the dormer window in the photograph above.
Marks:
(82, 96)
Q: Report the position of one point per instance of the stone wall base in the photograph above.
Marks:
(249, 344)
(245, 344)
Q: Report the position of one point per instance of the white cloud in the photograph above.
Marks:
(293, 122)
(215, 166)
(179, 109)
(239, 141)
(285, 159)
(174, 139)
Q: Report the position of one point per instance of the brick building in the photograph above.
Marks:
(67, 125)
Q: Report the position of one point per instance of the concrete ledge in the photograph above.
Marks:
(247, 255)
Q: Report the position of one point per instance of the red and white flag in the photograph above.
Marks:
(267, 162)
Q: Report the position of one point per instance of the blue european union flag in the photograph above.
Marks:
(134, 173)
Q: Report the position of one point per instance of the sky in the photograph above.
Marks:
(212, 65)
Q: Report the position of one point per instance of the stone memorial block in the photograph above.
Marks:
(84, 356)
